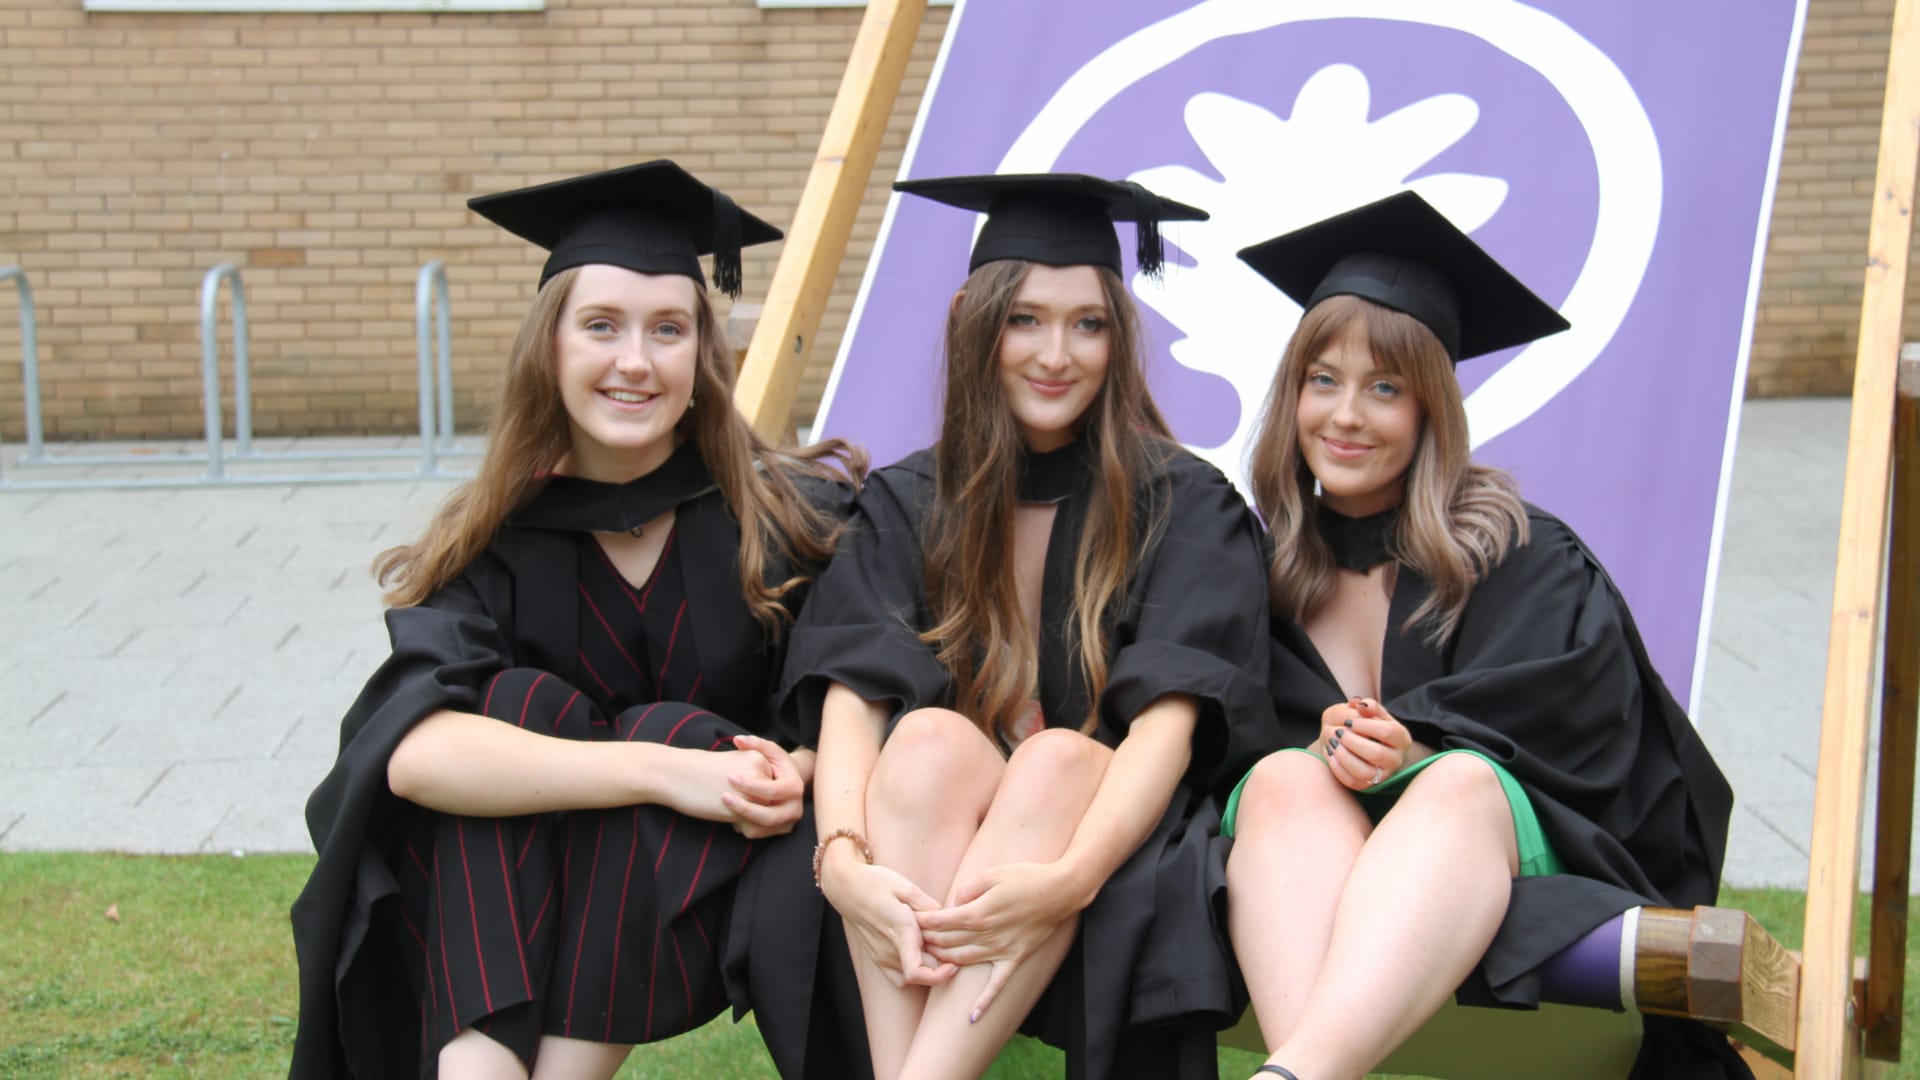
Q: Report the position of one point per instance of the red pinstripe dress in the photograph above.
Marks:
(603, 925)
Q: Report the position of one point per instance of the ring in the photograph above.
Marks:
(1378, 772)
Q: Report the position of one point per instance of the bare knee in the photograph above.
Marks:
(1057, 753)
(472, 1054)
(927, 763)
(1459, 784)
(1288, 785)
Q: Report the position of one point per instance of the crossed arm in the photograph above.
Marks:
(465, 763)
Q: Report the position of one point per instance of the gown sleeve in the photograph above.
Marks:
(1197, 626)
(861, 622)
(1548, 676)
(443, 652)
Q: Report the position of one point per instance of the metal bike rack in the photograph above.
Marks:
(210, 366)
(435, 352)
(29, 358)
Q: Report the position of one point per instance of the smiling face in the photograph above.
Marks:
(1053, 353)
(1358, 426)
(626, 350)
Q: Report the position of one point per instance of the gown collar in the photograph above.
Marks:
(1358, 543)
(571, 503)
(1055, 475)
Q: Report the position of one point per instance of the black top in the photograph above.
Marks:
(517, 605)
(1186, 624)
(1060, 219)
(1152, 952)
(1403, 254)
(1547, 675)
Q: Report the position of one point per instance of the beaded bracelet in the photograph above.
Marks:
(820, 849)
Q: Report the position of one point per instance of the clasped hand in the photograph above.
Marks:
(1362, 742)
(755, 787)
(1000, 919)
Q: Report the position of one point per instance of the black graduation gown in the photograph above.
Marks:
(1548, 676)
(516, 606)
(1151, 949)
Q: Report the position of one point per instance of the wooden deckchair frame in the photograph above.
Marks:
(1714, 964)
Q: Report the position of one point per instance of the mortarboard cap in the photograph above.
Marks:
(1060, 219)
(652, 218)
(1403, 254)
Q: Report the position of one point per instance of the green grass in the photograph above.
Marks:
(196, 978)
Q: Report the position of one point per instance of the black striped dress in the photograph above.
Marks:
(605, 925)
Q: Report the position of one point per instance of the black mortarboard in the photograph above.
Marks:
(1060, 219)
(653, 218)
(1403, 254)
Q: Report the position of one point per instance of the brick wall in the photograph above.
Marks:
(1809, 316)
(330, 156)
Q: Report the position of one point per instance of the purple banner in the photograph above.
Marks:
(1618, 157)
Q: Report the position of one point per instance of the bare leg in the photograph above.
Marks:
(470, 1055)
(1042, 796)
(1296, 837)
(930, 788)
(1444, 856)
(561, 1058)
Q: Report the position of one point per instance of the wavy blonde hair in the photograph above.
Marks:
(529, 436)
(980, 631)
(1458, 520)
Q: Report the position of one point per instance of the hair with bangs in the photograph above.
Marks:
(1458, 519)
(980, 632)
(529, 437)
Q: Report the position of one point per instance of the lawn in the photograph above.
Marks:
(114, 965)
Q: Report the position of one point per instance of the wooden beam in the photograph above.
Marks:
(1738, 976)
(803, 280)
(1829, 1040)
(1720, 966)
(1899, 706)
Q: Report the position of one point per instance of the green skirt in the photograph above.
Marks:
(1537, 857)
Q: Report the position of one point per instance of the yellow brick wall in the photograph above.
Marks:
(1809, 315)
(330, 156)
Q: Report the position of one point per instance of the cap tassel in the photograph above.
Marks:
(1149, 251)
(726, 245)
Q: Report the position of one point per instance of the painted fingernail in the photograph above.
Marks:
(973, 1017)
(1348, 722)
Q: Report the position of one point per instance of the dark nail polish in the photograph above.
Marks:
(1348, 722)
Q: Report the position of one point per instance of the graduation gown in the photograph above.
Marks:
(1151, 949)
(1548, 676)
(516, 606)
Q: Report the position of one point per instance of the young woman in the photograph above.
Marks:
(1027, 664)
(543, 797)
(1489, 767)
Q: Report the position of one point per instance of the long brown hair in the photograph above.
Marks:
(980, 630)
(530, 435)
(1457, 519)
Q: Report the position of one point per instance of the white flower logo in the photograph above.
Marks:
(1626, 157)
(1281, 174)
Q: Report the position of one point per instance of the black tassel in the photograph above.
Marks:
(726, 245)
(1149, 251)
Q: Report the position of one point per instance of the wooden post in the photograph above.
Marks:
(818, 239)
(1829, 1043)
(1899, 706)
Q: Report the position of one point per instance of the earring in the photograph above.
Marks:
(692, 395)
(1316, 487)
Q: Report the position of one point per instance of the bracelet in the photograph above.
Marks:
(820, 849)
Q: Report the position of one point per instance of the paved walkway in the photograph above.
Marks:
(174, 662)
